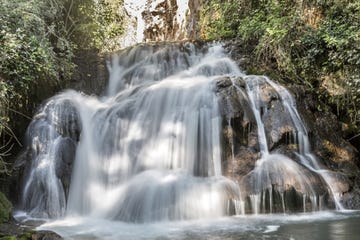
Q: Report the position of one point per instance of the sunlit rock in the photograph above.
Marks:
(181, 133)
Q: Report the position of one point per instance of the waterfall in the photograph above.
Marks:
(152, 149)
(51, 141)
(262, 177)
(253, 89)
(307, 158)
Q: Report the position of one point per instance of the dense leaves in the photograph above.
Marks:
(38, 42)
(96, 23)
(35, 56)
(312, 42)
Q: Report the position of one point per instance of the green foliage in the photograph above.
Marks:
(333, 52)
(96, 23)
(306, 42)
(38, 40)
(35, 49)
(36, 56)
(8, 238)
(5, 208)
(219, 19)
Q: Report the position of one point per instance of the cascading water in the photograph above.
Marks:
(151, 149)
(273, 173)
(265, 180)
(51, 141)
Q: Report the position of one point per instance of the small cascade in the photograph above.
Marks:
(149, 150)
(152, 149)
(307, 158)
(253, 90)
(51, 141)
(276, 174)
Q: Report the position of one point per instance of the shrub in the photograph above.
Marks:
(306, 42)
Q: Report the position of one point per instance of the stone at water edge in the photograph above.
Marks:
(5, 208)
(15, 232)
(45, 235)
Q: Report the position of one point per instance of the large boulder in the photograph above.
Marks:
(51, 143)
(241, 151)
(329, 143)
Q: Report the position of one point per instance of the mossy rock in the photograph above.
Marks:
(26, 235)
(8, 238)
(5, 208)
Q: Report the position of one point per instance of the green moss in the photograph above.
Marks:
(8, 238)
(26, 235)
(5, 208)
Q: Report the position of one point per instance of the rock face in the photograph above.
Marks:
(161, 20)
(241, 145)
(45, 235)
(327, 135)
(161, 23)
(15, 231)
(90, 75)
(193, 26)
(329, 144)
(51, 145)
(5, 208)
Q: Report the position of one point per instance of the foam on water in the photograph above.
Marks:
(247, 227)
(150, 152)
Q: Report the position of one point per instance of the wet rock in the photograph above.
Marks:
(65, 159)
(351, 199)
(278, 124)
(10, 229)
(13, 230)
(279, 180)
(239, 81)
(64, 117)
(342, 183)
(5, 208)
(328, 143)
(161, 22)
(45, 235)
(223, 82)
(241, 151)
(237, 166)
(286, 149)
(23, 231)
(233, 100)
(240, 144)
(90, 75)
(51, 143)
(326, 132)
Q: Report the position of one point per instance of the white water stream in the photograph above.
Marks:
(146, 160)
(150, 150)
